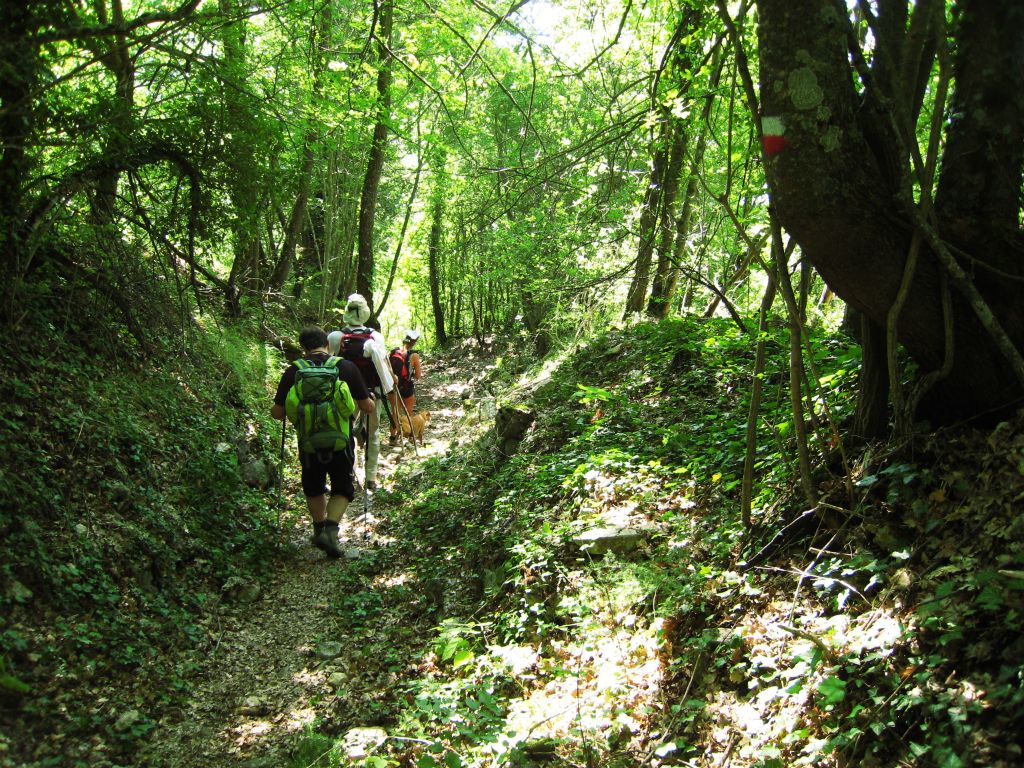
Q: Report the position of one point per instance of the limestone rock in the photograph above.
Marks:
(237, 590)
(618, 539)
(257, 473)
(253, 705)
(328, 649)
(337, 680)
(359, 742)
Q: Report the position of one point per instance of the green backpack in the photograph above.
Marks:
(319, 404)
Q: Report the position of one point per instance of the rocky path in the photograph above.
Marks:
(298, 660)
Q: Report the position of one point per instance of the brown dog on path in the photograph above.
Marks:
(419, 421)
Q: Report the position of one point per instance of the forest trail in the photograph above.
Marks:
(262, 686)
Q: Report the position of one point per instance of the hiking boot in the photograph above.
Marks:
(318, 528)
(327, 540)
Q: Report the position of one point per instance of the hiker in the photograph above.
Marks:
(364, 346)
(325, 449)
(405, 364)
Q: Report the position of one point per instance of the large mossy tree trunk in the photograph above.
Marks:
(841, 184)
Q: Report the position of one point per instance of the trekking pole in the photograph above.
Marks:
(408, 417)
(366, 482)
(280, 477)
(366, 494)
(387, 410)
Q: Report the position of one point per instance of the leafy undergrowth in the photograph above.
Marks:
(124, 517)
(884, 629)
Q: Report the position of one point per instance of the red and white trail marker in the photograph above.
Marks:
(772, 139)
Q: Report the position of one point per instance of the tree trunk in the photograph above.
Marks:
(116, 57)
(657, 304)
(295, 221)
(666, 274)
(375, 165)
(401, 233)
(433, 251)
(648, 222)
(19, 62)
(321, 36)
(839, 188)
(341, 208)
(872, 415)
(244, 178)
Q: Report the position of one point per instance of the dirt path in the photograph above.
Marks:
(316, 653)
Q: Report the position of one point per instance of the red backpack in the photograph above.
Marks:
(352, 342)
(400, 367)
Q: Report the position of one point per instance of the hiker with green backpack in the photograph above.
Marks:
(319, 394)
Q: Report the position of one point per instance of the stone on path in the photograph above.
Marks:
(359, 742)
(337, 680)
(618, 539)
(328, 649)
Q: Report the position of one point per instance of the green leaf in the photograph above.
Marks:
(14, 685)
(463, 657)
(832, 689)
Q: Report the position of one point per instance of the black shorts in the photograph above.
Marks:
(339, 469)
(406, 390)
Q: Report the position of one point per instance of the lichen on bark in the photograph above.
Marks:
(831, 138)
(804, 91)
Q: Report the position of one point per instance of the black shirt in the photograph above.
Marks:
(347, 372)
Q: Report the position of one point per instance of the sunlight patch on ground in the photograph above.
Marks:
(772, 688)
(455, 389)
(597, 687)
(543, 374)
(298, 719)
(388, 580)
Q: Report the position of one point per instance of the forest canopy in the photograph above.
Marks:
(532, 164)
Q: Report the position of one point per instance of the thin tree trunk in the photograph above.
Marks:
(341, 203)
(796, 367)
(19, 62)
(116, 57)
(657, 305)
(433, 250)
(648, 220)
(296, 220)
(401, 234)
(321, 36)
(753, 414)
(666, 276)
(871, 418)
(375, 165)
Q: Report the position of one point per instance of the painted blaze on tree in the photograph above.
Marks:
(846, 186)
